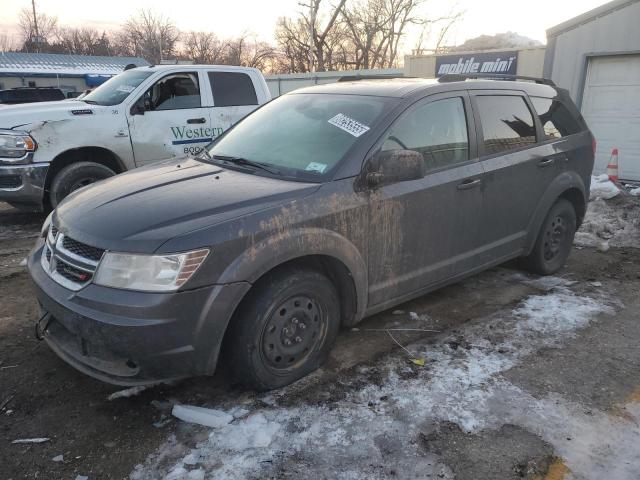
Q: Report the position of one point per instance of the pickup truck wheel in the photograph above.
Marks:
(554, 241)
(284, 330)
(75, 176)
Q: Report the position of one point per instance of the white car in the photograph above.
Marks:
(140, 116)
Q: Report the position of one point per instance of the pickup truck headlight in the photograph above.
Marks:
(15, 145)
(148, 273)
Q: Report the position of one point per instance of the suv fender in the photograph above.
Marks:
(565, 182)
(268, 254)
(283, 247)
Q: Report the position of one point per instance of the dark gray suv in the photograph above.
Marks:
(324, 206)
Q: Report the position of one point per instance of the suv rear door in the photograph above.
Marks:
(425, 230)
(517, 172)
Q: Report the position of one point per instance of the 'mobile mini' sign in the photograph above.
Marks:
(503, 63)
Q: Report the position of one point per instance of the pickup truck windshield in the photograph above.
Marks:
(301, 135)
(116, 89)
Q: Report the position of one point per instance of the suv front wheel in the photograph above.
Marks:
(284, 329)
(554, 241)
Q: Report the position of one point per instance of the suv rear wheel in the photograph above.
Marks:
(554, 241)
(284, 329)
(75, 176)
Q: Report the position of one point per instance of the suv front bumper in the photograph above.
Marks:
(23, 185)
(134, 338)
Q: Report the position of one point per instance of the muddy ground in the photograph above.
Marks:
(595, 370)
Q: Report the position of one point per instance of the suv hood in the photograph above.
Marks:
(140, 210)
(12, 116)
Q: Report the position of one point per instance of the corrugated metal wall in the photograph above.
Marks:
(614, 33)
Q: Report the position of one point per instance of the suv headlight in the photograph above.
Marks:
(149, 273)
(15, 145)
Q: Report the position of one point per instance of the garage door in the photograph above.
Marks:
(611, 107)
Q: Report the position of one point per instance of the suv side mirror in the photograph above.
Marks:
(393, 166)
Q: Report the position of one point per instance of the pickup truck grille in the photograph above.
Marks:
(69, 262)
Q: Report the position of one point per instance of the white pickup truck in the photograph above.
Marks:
(140, 116)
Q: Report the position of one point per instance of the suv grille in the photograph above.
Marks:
(69, 262)
(82, 249)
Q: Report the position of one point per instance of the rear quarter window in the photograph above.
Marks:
(556, 119)
(507, 123)
(232, 89)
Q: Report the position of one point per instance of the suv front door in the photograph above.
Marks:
(170, 119)
(424, 231)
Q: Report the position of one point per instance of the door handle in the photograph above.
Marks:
(197, 120)
(546, 162)
(470, 183)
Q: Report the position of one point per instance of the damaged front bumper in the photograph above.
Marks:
(23, 185)
(134, 338)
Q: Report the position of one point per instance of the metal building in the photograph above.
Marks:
(596, 56)
(70, 73)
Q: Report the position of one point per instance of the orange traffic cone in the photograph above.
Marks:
(612, 168)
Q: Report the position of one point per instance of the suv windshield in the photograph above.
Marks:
(301, 135)
(116, 89)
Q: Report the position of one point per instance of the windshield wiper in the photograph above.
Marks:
(248, 163)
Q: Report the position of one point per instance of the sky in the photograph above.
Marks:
(231, 18)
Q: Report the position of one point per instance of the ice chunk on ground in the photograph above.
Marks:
(129, 392)
(635, 192)
(206, 417)
(602, 187)
(23, 262)
(31, 440)
(58, 458)
(82, 477)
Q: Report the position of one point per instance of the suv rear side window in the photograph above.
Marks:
(438, 130)
(232, 89)
(556, 119)
(507, 123)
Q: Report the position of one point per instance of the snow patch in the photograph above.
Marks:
(602, 187)
(608, 225)
(371, 431)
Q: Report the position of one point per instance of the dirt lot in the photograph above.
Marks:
(523, 378)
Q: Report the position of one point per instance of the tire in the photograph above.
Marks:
(75, 176)
(554, 241)
(283, 330)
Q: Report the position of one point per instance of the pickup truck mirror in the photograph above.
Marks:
(393, 166)
(137, 108)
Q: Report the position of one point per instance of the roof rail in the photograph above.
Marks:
(459, 77)
(355, 78)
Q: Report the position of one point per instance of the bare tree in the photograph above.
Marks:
(149, 35)
(204, 47)
(248, 51)
(36, 39)
(445, 24)
(82, 41)
(8, 43)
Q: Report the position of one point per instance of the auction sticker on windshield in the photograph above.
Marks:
(316, 167)
(348, 124)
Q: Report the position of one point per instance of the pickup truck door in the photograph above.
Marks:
(234, 97)
(171, 118)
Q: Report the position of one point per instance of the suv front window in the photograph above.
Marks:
(116, 89)
(301, 135)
